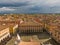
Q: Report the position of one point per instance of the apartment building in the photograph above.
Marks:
(4, 34)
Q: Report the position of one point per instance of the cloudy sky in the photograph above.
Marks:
(29, 6)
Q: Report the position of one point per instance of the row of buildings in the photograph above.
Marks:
(30, 23)
(12, 24)
(52, 26)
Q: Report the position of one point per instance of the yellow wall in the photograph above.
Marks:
(13, 29)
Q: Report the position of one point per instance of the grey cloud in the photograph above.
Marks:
(31, 6)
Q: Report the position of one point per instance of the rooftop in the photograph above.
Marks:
(4, 26)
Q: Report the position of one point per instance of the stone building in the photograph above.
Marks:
(30, 27)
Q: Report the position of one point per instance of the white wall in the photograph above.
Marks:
(4, 33)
